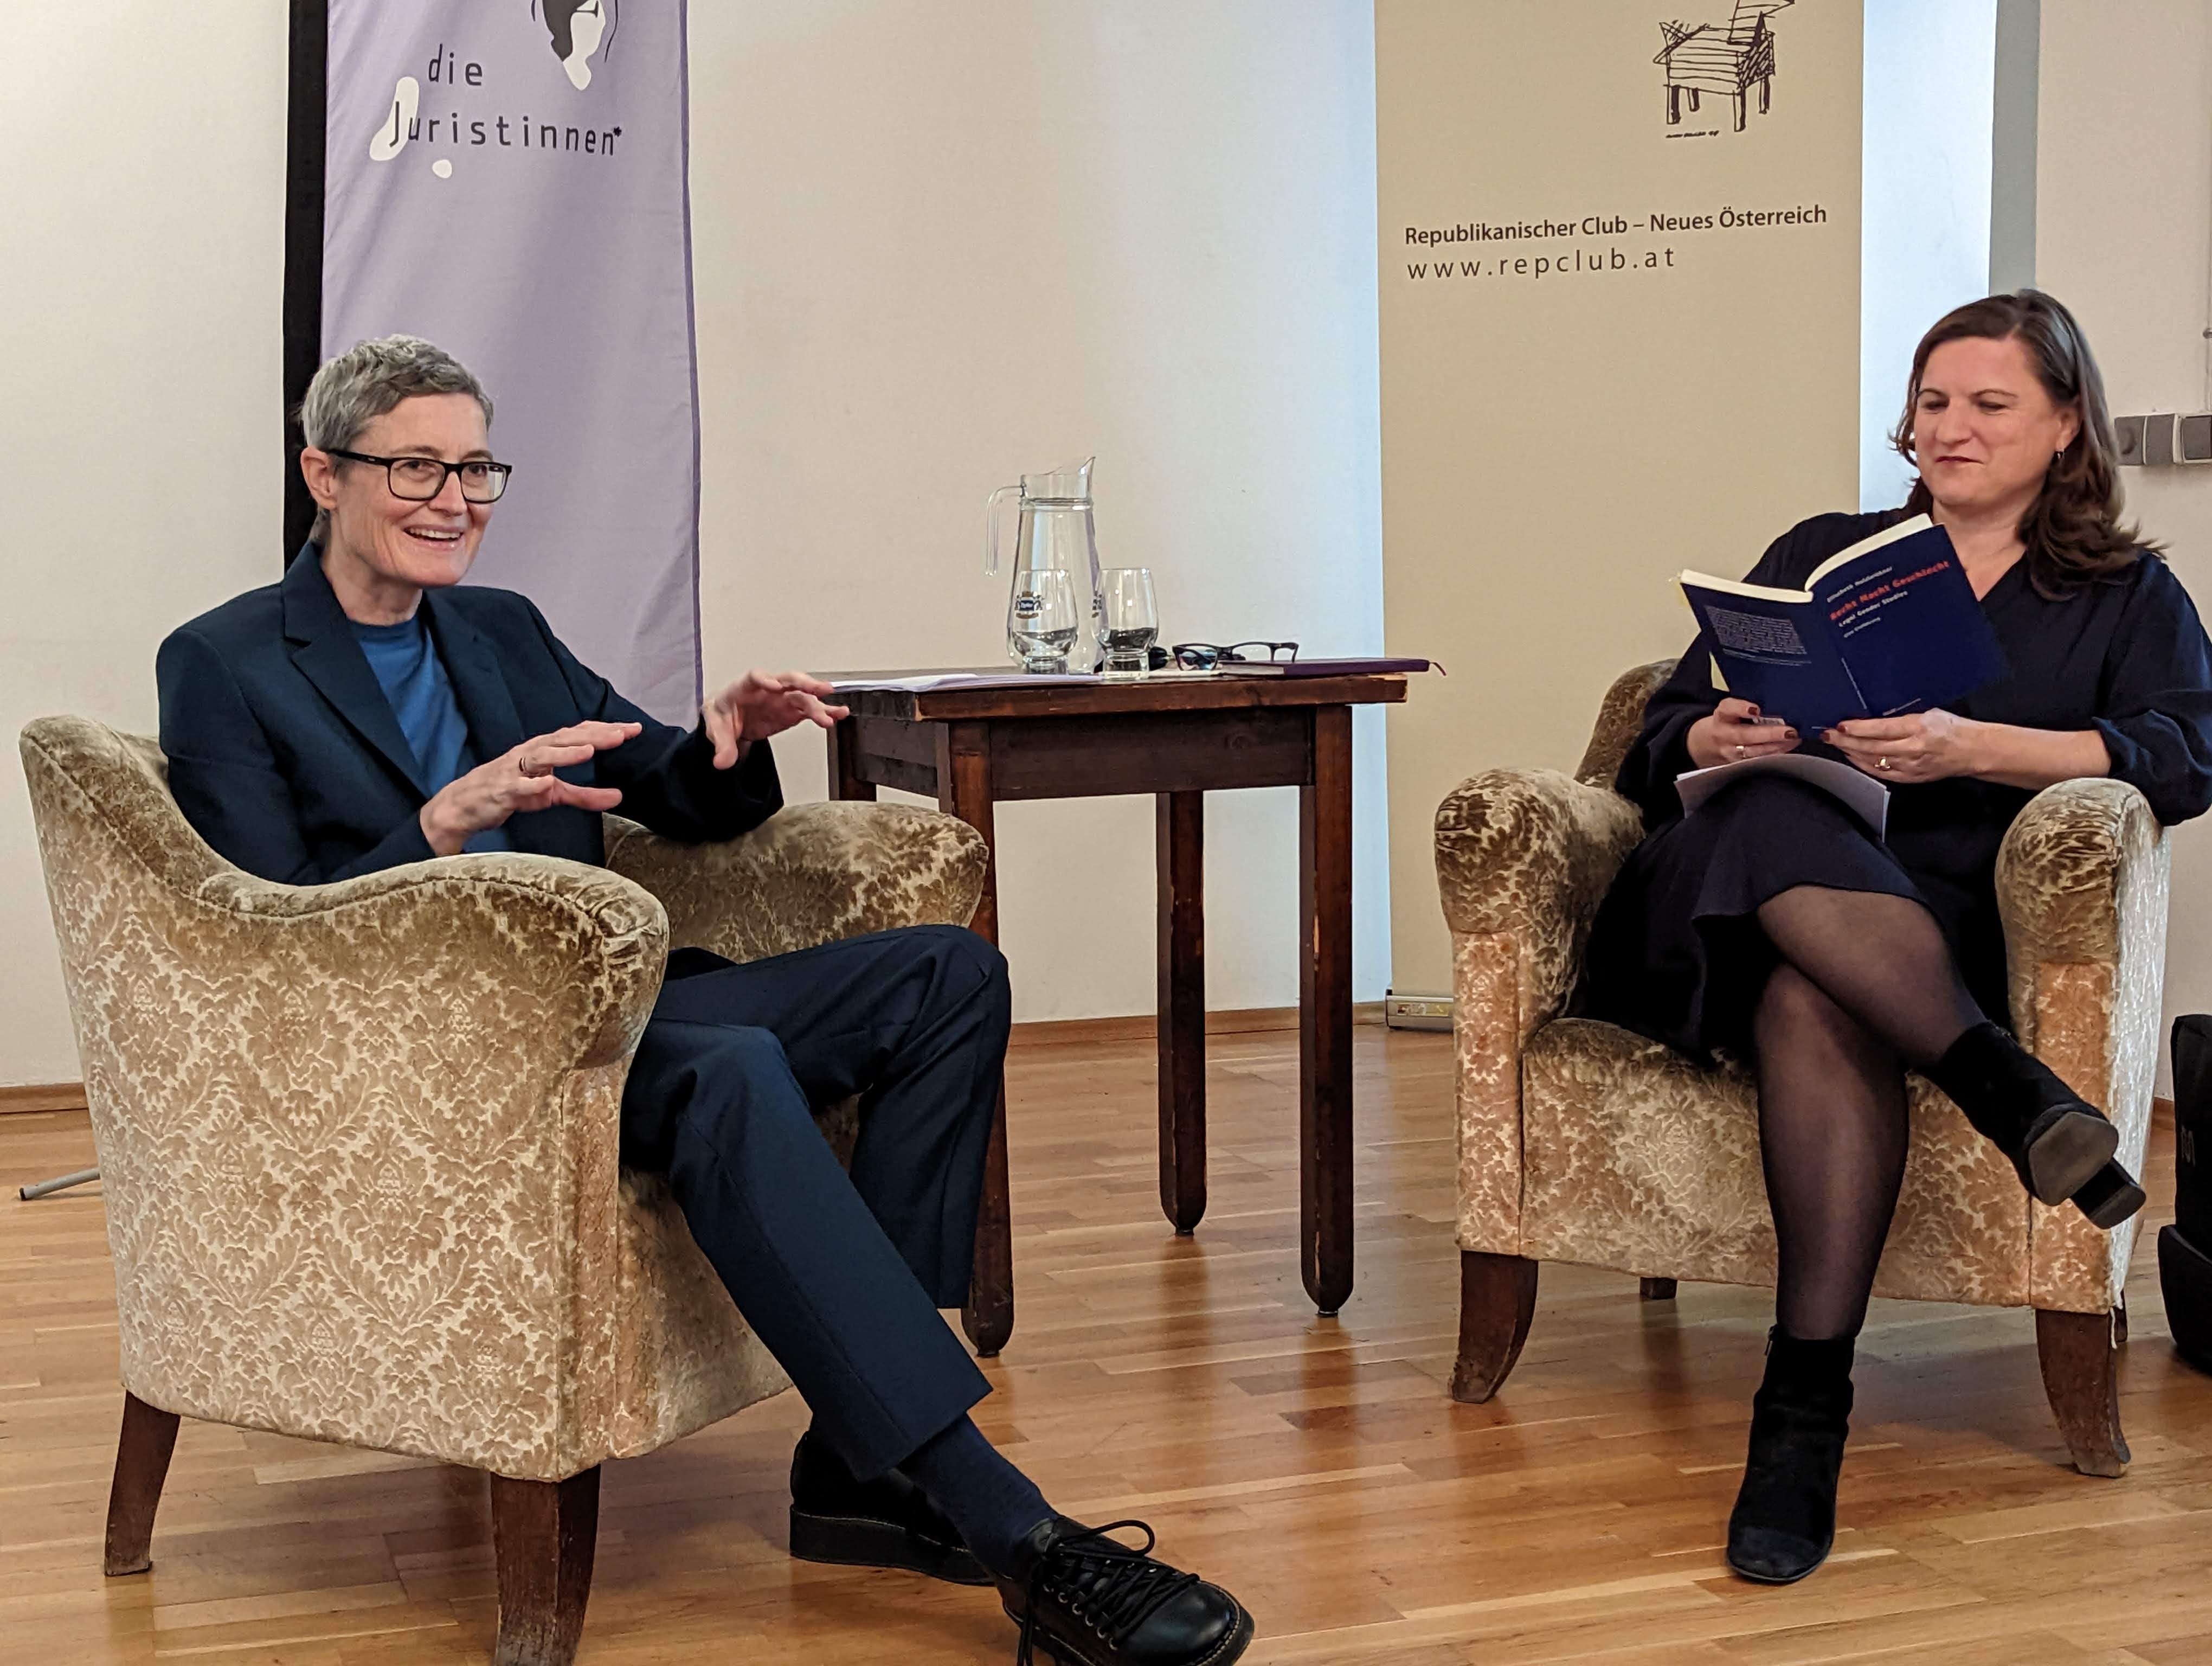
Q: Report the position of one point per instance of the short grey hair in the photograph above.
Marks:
(369, 379)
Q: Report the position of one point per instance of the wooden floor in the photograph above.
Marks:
(1316, 1467)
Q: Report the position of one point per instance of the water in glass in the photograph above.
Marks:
(1132, 619)
(1042, 619)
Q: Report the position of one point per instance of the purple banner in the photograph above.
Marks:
(507, 179)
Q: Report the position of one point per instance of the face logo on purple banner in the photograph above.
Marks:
(581, 30)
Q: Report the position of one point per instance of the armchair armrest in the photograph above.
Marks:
(811, 874)
(1529, 853)
(585, 945)
(1524, 859)
(2082, 885)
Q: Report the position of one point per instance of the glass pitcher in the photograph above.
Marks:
(1053, 529)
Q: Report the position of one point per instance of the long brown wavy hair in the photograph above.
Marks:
(2073, 530)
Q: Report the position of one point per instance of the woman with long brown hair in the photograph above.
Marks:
(1771, 924)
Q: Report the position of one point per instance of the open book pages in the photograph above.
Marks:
(1858, 792)
(959, 679)
(1865, 546)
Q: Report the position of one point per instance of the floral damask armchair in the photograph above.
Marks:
(1581, 1142)
(359, 1141)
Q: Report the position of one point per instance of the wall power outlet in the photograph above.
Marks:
(2164, 438)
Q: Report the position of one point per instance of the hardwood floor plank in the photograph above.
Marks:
(1316, 1467)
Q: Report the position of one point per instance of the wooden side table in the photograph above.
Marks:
(1177, 738)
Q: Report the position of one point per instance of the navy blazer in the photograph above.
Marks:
(285, 754)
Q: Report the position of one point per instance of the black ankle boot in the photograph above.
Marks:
(1784, 1519)
(2109, 1196)
(2060, 1144)
(1087, 1600)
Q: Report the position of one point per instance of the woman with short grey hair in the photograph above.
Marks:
(371, 710)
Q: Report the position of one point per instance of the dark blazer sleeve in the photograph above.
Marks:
(1662, 750)
(226, 781)
(668, 776)
(2155, 712)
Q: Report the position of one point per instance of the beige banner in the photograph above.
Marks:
(1619, 336)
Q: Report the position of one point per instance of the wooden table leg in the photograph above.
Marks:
(964, 789)
(1181, 847)
(1325, 1013)
(845, 781)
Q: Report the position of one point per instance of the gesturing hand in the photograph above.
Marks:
(1729, 735)
(1925, 746)
(761, 704)
(521, 779)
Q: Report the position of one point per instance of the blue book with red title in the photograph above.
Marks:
(1888, 627)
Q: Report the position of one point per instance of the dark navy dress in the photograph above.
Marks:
(1675, 954)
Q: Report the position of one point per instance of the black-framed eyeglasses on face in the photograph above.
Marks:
(1205, 656)
(419, 479)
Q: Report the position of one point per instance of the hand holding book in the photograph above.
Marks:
(1928, 745)
(1735, 731)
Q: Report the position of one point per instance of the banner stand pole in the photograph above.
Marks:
(307, 118)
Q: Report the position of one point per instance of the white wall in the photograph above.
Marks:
(1924, 236)
(140, 278)
(936, 245)
(940, 244)
(2124, 236)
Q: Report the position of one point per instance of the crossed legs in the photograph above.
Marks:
(843, 1272)
(841, 1275)
(1865, 988)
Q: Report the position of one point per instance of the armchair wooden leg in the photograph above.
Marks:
(1497, 1299)
(2080, 1376)
(1655, 1290)
(142, 1464)
(542, 1533)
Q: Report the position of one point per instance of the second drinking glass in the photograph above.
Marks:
(1131, 620)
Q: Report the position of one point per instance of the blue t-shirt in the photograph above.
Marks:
(414, 680)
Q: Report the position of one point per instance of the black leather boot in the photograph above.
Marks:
(1785, 1520)
(2060, 1144)
(1087, 1600)
(886, 1522)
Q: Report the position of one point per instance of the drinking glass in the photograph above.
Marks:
(1042, 619)
(1132, 619)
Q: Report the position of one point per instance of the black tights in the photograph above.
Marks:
(1864, 989)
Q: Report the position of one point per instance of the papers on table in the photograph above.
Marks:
(1859, 793)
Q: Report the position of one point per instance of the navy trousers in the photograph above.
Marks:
(840, 1273)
